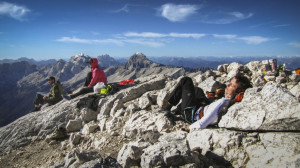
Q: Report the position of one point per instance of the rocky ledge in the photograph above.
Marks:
(260, 131)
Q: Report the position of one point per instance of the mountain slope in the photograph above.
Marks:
(128, 127)
(10, 98)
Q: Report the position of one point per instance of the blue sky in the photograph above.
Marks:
(57, 29)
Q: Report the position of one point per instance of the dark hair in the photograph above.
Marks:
(51, 78)
(243, 83)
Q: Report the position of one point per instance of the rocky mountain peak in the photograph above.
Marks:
(138, 60)
(79, 58)
(106, 61)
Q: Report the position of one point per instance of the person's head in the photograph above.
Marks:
(236, 85)
(90, 62)
(93, 62)
(51, 80)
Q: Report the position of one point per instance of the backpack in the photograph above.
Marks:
(269, 67)
(90, 102)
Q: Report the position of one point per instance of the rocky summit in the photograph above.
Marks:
(263, 130)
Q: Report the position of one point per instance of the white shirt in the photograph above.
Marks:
(210, 114)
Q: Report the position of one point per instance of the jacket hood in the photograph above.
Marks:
(95, 63)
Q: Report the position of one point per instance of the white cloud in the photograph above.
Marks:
(177, 13)
(295, 44)
(225, 36)
(247, 39)
(225, 18)
(125, 9)
(15, 11)
(161, 35)
(73, 40)
(254, 39)
(119, 42)
(154, 44)
(240, 16)
(282, 25)
(187, 35)
(89, 41)
(145, 34)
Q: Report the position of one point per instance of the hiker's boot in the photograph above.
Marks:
(166, 109)
(36, 108)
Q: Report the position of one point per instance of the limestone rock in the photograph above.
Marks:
(130, 94)
(74, 139)
(199, 78)
(74, 125)
(294, 78)
(89, 128)
(270, 78)
(247, 149)
(271, 108)
(88, 115)
(145, 121)
(296, 90)
(222, 68)
(281, 79)
(235, 67)
(145, 101)
(115, 124)
(130, 154)
(170, 151)
(209, 85)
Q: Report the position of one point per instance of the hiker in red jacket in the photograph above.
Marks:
(195, 107)
(95, 76)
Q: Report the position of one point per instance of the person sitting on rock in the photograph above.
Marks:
(97, 75)
(195, 107)
(54, 96)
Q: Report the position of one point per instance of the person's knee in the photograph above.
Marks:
(187, 81)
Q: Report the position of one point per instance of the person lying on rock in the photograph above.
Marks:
(95, 76)
(196, 108)
(54, 96)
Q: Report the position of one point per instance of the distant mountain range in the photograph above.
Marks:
(105, 61)
(30, 61)
(292, 62)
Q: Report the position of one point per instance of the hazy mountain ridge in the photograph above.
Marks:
(11, 96)
(291, 62)
(30, 61)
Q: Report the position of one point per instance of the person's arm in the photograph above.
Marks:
(97, 76)
(54, 93)
(210, 116)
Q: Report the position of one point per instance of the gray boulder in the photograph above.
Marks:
(170, 151)
(74, 125)
(269, 108)
(244, 149)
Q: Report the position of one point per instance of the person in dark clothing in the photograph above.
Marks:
(95, 76)
(54, 96)
(88, 79)
(204, 112)
(190, 96)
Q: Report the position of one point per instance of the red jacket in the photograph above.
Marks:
(97, 74)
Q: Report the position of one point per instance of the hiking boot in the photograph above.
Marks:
(36, 109)
(170, 117)
(58, 134)
(166, 109)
